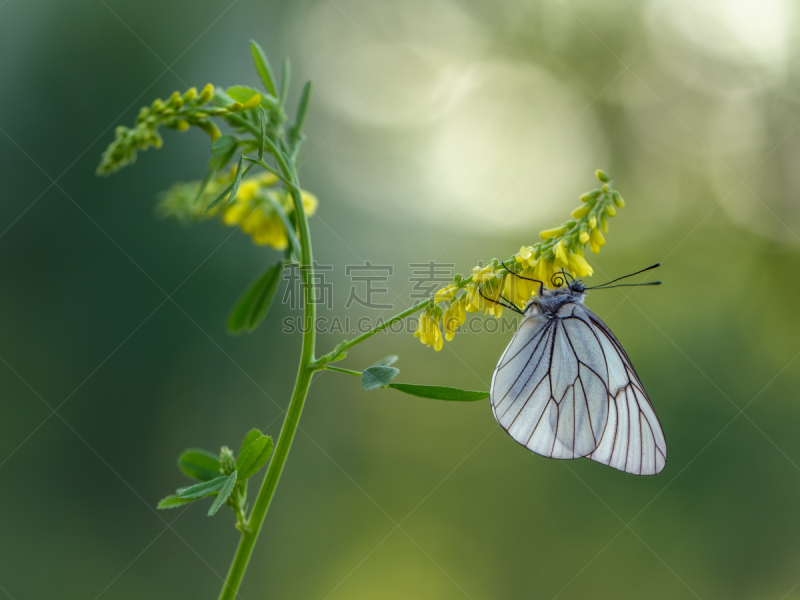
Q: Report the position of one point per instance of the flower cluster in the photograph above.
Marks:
(179, 112)
(255, 207)
(512, 283)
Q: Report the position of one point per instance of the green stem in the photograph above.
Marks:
(340, 370)
(290, 423)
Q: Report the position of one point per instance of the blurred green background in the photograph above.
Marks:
(448, 131)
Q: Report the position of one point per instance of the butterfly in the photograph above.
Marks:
(565, 387)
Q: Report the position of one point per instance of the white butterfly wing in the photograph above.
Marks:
(548, 397)
(633, 440)
(565, 388)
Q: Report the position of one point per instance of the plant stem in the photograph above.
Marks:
(346, 371)
(292, 419)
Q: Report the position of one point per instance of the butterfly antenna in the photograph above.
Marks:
(508, 306)
(541, 285)
(603, 285)
(611, 287)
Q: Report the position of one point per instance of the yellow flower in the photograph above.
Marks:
(310, 202)
(598, 238)
(236, 213)
(578, 266)
(271, 232)
(491, 291)
(481, 275)
(593, 223)
(248, 189)
(584, 237)
(446, 293)
(544, 272)
(428, 331)
(454, 316)
(610, 211)
(561, 255)
(473, 298)
(524, 255)
(518, 290)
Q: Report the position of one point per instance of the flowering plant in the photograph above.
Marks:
(273, 209)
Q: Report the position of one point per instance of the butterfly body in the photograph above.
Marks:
(565, 388)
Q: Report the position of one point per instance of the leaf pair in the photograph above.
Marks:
(254, 304)
(382, 373)
(221, 486)
(207, 468)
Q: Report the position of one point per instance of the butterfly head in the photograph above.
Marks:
(551, 300)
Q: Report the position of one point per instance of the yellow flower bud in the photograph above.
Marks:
(182, 125)
(211, 129)
(604, 223)
(593, 223)
(176, 100)
(581, 211)
(157, 105)
(611, 211)
(618, 199)
(524, 254)
(235, 107)
(588, 196)
(190, 94)
(551, 233)
(594, 246)
(252, 102)
(584, 237)
(606, 188)
(207, 93)
(602, 176)
(597, 237)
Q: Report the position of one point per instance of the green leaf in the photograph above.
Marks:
(254, 305)
(206, 180)
(255, 457)
(230, 187)
(199, 464)
(377, 377)
(251, 437)
(287, 75)
(224, 494)
(241, 93)
(237, 181)
(223, 145)
(203, 489)
(439, 392)
(263, 67)
(173, 501)
(387, 361)
(263, 129)
(297, 129)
